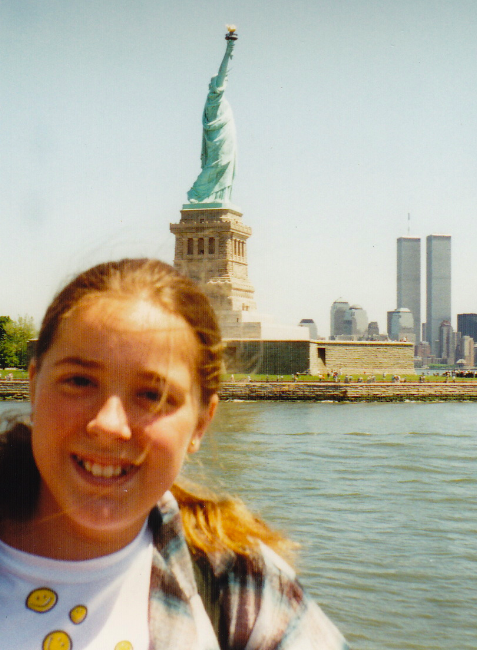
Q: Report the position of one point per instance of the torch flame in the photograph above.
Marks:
(231, 28)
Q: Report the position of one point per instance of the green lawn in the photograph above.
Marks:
(354, 378)
(17, 374)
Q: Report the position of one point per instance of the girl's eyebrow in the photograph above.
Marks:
(147, 375)
(150, 375)
(77, 361)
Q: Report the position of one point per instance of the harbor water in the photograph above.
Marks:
(381, 497)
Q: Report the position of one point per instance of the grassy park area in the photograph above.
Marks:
(429, 376)
(17, 374)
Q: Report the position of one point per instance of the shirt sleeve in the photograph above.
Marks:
(288, 619)
(269, 610)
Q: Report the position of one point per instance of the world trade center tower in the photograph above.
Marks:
(409, 279)
(438, 288)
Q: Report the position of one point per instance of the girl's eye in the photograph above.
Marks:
(157, 399)
(152, 395)
(78, 381)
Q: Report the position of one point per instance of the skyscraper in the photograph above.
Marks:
(355, 322)
(409, 279)
(438, 289)
(467, 325)
(338, 310)
(401, 325)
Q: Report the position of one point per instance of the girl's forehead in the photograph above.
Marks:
(113, 319)
(128, 312)
(135, 314)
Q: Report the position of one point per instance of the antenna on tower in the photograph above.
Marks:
(408, 223)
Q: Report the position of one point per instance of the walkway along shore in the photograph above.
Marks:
(316, 391)
(353, 392)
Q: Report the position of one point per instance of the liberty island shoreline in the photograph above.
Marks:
(319, 391)
(349, 392)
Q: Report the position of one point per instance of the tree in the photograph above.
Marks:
(14, 336)
(5, 355)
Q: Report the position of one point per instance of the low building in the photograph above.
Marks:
(318, 357)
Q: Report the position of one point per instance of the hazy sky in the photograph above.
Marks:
(350, 115)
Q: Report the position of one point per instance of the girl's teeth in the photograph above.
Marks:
(102, 471)
(97, 470)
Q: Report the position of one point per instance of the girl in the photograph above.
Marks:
(101, 548)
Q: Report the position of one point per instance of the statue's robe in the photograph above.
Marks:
(218, 155)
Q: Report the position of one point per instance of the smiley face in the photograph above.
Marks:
(123, 645)
(41, 600)
(78, 614)
(57, 640)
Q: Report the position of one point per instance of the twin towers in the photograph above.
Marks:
(438, 284)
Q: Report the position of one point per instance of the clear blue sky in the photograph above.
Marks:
(350, 115)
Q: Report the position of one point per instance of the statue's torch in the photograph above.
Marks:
(231, 35)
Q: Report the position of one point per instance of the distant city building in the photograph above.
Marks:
(447, 342)
(409, 279)
(401, 325)
(467, 351)
(373, 331)
(338, 310)
(458, 344)
(467, 325)
(438, 287)
(423, 351)
(424, 332)
(311, 325)
(355, 321)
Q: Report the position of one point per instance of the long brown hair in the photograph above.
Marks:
(211, 522)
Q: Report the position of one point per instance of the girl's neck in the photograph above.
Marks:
(43, 538)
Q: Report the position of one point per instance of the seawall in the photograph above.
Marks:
(339, 392)
(17, 389)
(316, 391)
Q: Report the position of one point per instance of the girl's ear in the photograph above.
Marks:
(32, 372)
(205, 418)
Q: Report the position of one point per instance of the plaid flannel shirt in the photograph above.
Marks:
(261, 604)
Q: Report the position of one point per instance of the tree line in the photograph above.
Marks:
(14, 337)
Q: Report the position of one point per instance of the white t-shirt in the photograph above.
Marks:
(99, 604)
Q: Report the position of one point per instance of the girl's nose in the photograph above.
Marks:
(111, 419)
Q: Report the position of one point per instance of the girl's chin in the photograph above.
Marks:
(105, 528)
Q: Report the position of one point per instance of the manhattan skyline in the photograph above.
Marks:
(349, 116)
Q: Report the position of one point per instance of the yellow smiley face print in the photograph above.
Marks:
(123, 645)
(57, 640)
(41, 600)
(78, 614)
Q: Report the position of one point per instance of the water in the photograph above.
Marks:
(382, 498)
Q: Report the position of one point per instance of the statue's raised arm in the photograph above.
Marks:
(221, 78)
(214, 183)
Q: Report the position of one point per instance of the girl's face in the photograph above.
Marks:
(115, 408)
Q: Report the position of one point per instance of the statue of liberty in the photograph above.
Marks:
(214, 183)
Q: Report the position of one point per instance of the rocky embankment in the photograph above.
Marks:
(316, 391)
(353, 392)
(16, 389)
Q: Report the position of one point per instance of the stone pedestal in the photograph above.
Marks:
(211, 249)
